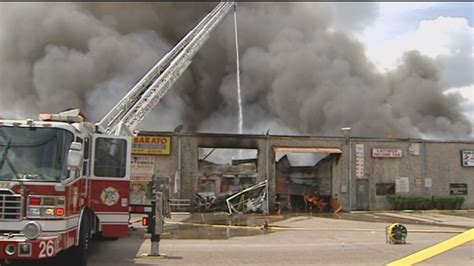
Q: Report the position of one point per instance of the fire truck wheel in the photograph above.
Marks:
(79, 252)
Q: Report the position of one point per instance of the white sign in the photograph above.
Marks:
(359, 167)
(467, 158)
(142, 167)
(402, 185)
(387, 153)
(414, 149)
(428, 182)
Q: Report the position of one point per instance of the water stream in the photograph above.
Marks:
(239, 96)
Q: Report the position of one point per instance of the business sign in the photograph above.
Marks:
(387, 153)
(467, 158)
(418, 182)
(359, 163)
(140, 192)
(402, 185)
(414, 149)
(458, 189)
(153, 145)
(142, 167)
(428, 182)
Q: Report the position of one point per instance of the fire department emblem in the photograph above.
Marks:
(109, 196)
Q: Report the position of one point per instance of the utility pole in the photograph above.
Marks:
(346, 132)
(267, 156)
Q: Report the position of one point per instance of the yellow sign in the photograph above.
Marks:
(151, 145)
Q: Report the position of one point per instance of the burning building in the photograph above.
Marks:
(359, 173)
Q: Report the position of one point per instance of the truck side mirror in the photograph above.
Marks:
(74, 157)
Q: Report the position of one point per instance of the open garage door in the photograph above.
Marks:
(222, 173)
(304, 177)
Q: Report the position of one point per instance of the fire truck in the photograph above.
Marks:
(64, 179)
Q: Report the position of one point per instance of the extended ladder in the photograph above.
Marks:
(124, 117)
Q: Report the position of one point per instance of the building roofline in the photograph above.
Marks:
(263, 136)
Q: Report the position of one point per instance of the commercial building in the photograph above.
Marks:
(357, 172)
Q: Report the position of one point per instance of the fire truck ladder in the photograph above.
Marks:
(124, 117)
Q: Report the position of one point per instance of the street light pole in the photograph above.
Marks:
(177, 177)
(346, 132)
(267, 154)
(350, 173)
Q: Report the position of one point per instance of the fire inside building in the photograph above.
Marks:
(206, 172)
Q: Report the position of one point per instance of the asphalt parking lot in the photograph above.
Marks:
(300, 240)
(320, 240)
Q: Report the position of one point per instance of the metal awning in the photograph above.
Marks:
(307, 150)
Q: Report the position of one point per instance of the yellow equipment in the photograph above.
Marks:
(396, 233)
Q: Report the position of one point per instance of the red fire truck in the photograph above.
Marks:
(60, 183)
(63, 179)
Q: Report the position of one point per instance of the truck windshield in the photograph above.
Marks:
(33, 153)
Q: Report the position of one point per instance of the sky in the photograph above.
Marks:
(442, 31)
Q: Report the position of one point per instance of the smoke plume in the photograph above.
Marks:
(299, 73)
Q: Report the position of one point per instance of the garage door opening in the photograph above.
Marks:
(223, 172)
(304, 178)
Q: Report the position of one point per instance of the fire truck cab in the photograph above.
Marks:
(60, 183)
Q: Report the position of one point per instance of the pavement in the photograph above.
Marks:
(308, 240)
(303, 240)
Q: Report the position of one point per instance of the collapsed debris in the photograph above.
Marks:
(251, 199)
(217, 182)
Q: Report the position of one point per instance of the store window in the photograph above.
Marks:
(383, 189)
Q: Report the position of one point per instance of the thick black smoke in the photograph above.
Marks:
(300, 75)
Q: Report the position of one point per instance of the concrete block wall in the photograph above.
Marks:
(444, 167)
(439, 161)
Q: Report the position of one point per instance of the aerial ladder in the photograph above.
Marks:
(127, 114)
